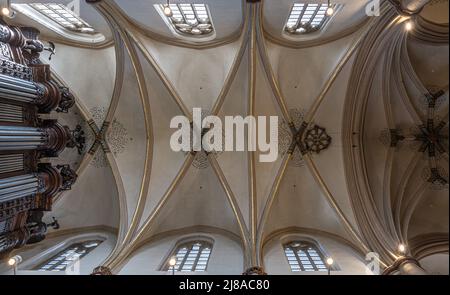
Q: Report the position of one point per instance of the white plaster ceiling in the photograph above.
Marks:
(436, 11)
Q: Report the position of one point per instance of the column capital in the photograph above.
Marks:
(401, 261)
(255, 271)
(50, 180)
(102, 271)
(409, 7)
(58, 137)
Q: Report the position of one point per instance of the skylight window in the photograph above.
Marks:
(307, 18)
(304, 256)
(68, 256)
(191, 257)
(192, 20)
(64, 16)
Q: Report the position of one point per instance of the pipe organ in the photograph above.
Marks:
(27, 186)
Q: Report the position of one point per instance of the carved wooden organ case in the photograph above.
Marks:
(27, 186)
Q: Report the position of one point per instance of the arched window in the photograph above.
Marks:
(68, 256)
(65, 20)
(62, 15)
(307, 18)
(190, 257)
(304, 256)
(188, 20)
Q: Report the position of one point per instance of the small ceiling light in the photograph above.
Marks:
(330, 261)
(14, 261)
(409, 26)
(402, 248)
(6, 9)
(330, 9)
(172, 263)
(167, 10)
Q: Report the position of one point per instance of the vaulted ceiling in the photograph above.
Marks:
(130, 86)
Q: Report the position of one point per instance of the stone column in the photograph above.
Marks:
(412, 6)
(411, 268)
(405, 265)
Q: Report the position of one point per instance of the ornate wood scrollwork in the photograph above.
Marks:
(27, 187)
(67, 100)
(69, 177)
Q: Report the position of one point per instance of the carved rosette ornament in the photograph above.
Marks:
(255, 271)
(297, 139)
(317, 139)
(102, 271)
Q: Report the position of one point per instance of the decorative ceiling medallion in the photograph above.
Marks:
(98, 115)
(100, 160)
(436, 94)
(317, 139)
(437, 177)
(430, 138)
(314, 139)
(285, 137)
(390, 138)
(118, 138)
(201, 158)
